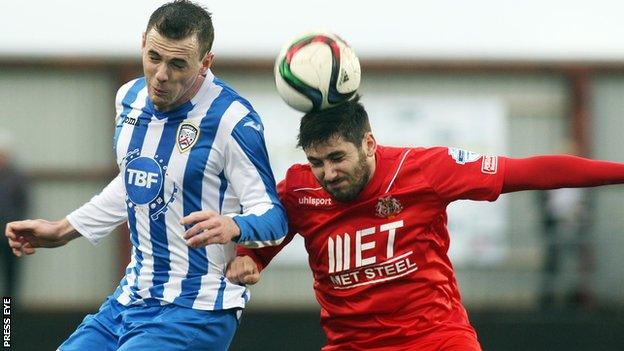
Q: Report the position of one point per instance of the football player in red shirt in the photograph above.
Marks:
(374, 222)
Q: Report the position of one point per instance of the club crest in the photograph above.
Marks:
(388, 207)
(187, 136)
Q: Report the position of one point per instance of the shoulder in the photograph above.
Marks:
(438, 158)
(299, 176)
(424, 155)
(129, 90)
(411, 161)
(389, 156)
(237, 111)
(301, 191)
(230, 95)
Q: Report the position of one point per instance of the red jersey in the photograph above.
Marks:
(380, 263)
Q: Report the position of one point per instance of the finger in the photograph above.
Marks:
(232, 274)
(203, 239)
(17, 252)
(19, 226)
(251, 279)
(28, 249)
(249, 274)
(208, 237)
(9, 230)
(234, 266)
(194, 230)
(28, 240)
(243, 276)
(237, 274)
(14, 244)
(196, 240)
(214, 236)
(15, 229)
(197, 216)
(214, 232)
(198, 229)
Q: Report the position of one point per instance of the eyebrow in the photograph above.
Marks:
(328, 156)
(335, 153)
(175, 59)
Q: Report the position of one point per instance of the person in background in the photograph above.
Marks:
(567, 267)
(14, 188)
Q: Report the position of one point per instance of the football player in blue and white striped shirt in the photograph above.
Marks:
(185, 142)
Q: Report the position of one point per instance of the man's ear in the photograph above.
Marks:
(369, 144)
(206, 63)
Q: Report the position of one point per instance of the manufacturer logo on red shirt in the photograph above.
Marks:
(315, 201)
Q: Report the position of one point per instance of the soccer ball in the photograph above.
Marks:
(316, 71)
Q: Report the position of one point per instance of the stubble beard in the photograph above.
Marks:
(357, 182)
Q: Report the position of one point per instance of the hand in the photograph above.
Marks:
(25, 236)
(242, 269)
(209, 227)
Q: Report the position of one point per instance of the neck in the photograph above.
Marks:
(372, 163)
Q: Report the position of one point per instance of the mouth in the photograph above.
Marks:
(336, 184)
(159, 92)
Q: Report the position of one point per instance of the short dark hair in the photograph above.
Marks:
(348, 120)
(181, 18)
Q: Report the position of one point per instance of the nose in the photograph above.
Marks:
(329, 172)
(161, 73)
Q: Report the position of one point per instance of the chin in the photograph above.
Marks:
(343, 196)
(158, 103)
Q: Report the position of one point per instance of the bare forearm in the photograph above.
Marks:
(66, 231)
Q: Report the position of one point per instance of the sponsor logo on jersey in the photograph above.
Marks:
(351, 265)
(489, 165)
(315, 201)
(462, 156)
(143, 178)
(130, 120)
(388, 207)
(188, 134)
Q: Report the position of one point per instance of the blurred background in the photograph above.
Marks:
(537, 270)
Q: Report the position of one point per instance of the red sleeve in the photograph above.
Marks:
(456, 174)
(559, 171)
(262, 256)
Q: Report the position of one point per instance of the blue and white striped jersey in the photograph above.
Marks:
(208, 154)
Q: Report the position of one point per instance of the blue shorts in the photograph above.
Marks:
(168, 327)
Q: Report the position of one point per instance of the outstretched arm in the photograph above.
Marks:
(26, 236)
(93, 220)
(559, 171)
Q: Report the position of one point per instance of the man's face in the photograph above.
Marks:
(172, 69)
(341, 168)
